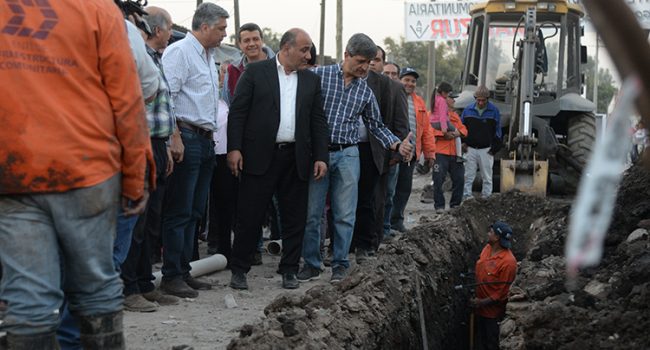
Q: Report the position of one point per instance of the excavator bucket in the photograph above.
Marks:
(532, 181)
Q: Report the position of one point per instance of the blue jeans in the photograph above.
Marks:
(185, 199)
(125, 225)
(341, 182)
(56, 243)
(390, 192)
(447, 164)
(68, 333)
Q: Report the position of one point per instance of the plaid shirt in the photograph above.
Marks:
(345, 104)
(160, 114)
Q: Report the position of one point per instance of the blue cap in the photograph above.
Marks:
(504, 232)
(409, 71)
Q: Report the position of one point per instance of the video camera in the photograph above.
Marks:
(134, 9)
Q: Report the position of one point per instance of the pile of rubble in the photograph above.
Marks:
(606, 307)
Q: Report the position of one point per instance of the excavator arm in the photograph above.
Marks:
(522, 171)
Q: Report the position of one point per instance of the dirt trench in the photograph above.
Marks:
(377, 306)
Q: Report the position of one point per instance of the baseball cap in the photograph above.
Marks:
(407, 71)
(504, 232)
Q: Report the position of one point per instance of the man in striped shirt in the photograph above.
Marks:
(346, 99)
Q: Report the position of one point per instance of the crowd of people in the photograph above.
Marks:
(117, 148)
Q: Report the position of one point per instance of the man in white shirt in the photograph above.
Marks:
(194, 85)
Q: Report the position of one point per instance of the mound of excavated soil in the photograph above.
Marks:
(609, 306)
(376, 307)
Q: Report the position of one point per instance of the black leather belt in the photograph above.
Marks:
(335, 147)
(284, 145)
(203, 132)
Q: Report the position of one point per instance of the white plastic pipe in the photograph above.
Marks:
(201, 267)
(274, 247)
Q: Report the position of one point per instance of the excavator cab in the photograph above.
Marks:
(528, 54)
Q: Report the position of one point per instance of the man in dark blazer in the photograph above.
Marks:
(277, 139)
(375, 159)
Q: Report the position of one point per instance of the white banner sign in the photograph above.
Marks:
(641, 9)
(437, 20)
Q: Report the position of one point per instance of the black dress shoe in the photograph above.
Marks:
(197, 285)
(178, 287)
(290, 281)
(238, 281)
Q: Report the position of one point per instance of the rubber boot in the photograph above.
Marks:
(102, 331)
(41, 341)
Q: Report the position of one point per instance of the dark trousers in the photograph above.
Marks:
(487, 332)
(402, 192)
(136, 269)
(223, 207)
(365, 224)
(185, 199)
(447, 164)
(255, 193)
(380, 203)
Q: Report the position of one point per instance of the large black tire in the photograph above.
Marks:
(581, 135)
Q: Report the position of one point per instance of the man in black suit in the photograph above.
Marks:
(277, 137)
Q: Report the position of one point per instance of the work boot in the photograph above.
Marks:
(41, 341)
(155, 296)
(338, 274)
(308, 273)
(178, 287)
(399, 227)
(196, 284)
(102, 331)
(290, 281)
(238, 281)
(137, 303)
(361, 256)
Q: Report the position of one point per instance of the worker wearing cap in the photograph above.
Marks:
(425, 143)
(483, 140)
(495, 271)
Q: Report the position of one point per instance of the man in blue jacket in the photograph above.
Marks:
(483, 122)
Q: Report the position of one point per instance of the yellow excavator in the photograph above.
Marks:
(528, 54)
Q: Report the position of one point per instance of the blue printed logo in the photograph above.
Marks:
(16, 27)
